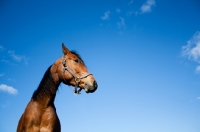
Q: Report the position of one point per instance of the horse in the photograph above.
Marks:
(40, 114)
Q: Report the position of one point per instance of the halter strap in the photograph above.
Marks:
(77, 79)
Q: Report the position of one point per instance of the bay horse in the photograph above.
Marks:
(40, 114)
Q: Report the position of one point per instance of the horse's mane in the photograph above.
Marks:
(46, 86)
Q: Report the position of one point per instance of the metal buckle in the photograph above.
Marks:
(77, 79)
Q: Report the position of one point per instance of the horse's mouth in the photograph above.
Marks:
(88, 88)
(78, 91)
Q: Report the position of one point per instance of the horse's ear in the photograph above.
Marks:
(64, 49)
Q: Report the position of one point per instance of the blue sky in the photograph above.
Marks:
(144, 54)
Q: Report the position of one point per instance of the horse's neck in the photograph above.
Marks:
(46, 91)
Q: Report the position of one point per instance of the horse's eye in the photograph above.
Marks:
(76, 60)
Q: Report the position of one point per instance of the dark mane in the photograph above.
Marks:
(76, 54)
(46, 86)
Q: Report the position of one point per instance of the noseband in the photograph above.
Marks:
(77, 79)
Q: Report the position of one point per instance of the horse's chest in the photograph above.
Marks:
(37, 119)
(50, 121)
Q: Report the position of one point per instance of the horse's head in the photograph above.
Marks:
(72, 71)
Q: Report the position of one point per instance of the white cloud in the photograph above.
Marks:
(8, 89)
(195, 52)
(198, 97)
(121, 24)
(18, 58)
(198, 69)
(192, 49)
(14, 56)
(106, 16)
(146, 7)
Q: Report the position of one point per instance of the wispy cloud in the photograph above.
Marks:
(8, 89)
(6, 61)
(146, 7)
(6, 104)
(121, 24)
(129, 13)
(131, 2)
(192, 49)
(106, 16)
(118, 10)
(198, 69)
(198, 98)
(1, 48)
(18, 58)
(14, 56)
(11, 80)
(2, 74)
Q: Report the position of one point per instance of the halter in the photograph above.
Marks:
(77, 79)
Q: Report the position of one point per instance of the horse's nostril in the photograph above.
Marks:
(95, 84)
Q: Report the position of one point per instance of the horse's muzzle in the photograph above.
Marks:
(91, 88)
